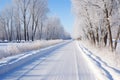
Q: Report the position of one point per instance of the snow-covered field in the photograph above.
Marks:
(106, 61)
(9, 49)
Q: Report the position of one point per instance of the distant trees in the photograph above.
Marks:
(96, 19)
(27, 20)
(6, 20)
(54, 29)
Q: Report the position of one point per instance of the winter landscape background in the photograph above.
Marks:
(60, 39)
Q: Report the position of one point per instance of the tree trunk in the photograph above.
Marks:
(105, 39)
(109, 27)
(41, 30)
(110, 35)
(25, 26)
(117, 37)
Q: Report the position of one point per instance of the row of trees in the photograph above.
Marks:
(54, 29)
(27, 20)
(98, 21)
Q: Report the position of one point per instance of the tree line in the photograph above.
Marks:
(97, 21)
(27, 20)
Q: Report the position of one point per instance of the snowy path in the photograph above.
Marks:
(64, 63)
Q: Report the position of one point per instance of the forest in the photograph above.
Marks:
(28, 20)
(97, 21)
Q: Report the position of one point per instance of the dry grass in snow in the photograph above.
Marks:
(9, 49)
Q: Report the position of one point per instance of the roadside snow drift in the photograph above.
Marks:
(108, 72)
(9, 49)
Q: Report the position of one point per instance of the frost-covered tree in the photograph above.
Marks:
(27, 20)
(38, 10)
(54, 29)
(96, 18)
(21, 20)
(25, 17)
(6, 20)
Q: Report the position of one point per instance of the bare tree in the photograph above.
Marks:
(24, 5)
(54, 28)
(38, 9)
(117, 37)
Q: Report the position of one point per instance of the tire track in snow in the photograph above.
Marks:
(106, 72)
(84, 71)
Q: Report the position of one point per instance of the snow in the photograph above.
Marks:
(69, 60)
(107, 66)
(9, 49)
(62, 62)
(118, 49)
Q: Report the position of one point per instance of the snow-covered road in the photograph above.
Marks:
(64, 63)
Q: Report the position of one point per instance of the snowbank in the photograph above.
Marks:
(9, 49)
